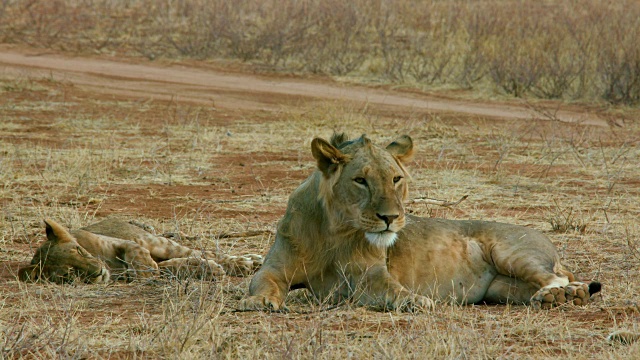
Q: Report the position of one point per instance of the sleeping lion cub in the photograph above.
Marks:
(114, 248)
(345, 235)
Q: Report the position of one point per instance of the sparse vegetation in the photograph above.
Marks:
(78, 155)
(564, 220)
(562, 50)
(185, 168)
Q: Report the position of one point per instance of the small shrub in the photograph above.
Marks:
(563, 220)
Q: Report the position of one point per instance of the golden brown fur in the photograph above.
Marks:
(115, 247)
(345, 235)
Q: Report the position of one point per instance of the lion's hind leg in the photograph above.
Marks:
(563, 289)
(536, 266)
(549, 289)
(508, 290)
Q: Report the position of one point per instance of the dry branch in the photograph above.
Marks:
(249, 233)
(426, 200)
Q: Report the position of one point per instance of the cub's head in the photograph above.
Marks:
(61, 259)
(364, 186)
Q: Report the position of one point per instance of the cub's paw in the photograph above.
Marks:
(256, 261)
(185, 268)
(240, 265)
(575, 293)
(260, 302)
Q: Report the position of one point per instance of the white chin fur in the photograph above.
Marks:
(381, 239)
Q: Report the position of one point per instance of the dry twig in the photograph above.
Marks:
(426, 200)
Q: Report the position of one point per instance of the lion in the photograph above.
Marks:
(115, 249)
(346, 235)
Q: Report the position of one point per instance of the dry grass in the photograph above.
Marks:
(551, 50)
(76, 157)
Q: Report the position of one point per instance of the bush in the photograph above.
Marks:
(564, 50)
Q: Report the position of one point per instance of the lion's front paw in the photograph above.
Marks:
(260, 302)
(415, 303)
(241, 265)
(576, 293)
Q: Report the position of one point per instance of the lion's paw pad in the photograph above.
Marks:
(576, 293)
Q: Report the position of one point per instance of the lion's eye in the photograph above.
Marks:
(360, 180)
(396, 179)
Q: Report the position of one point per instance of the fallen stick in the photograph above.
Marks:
(426, 200)
(250, 233)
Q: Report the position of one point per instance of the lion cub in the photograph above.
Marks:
(114, 248)
(346, 235)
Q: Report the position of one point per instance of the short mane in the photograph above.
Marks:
(339, 140)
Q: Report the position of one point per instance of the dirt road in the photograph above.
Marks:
(233, 90)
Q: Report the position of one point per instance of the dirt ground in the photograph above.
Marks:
(214, 149)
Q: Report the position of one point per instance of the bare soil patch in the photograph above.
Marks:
(236, 90)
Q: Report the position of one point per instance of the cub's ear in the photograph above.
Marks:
(56, 233)
(327, 156)
(402, 148)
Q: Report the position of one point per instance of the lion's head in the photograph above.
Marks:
(61, 259)
(363, 185)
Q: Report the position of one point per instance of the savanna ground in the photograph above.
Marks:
(212, 149)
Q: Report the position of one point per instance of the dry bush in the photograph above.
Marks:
(563, 220)
(619, 66)
(564, 50)
(78, 157)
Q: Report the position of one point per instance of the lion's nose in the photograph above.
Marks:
(388, 219)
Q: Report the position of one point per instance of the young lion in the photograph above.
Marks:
(116, 248)
(345, 234)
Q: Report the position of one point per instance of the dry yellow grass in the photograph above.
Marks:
(77, 155)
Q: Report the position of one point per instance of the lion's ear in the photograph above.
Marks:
(55, 232)
(402, 148)
(327, 156)
(29, 273)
